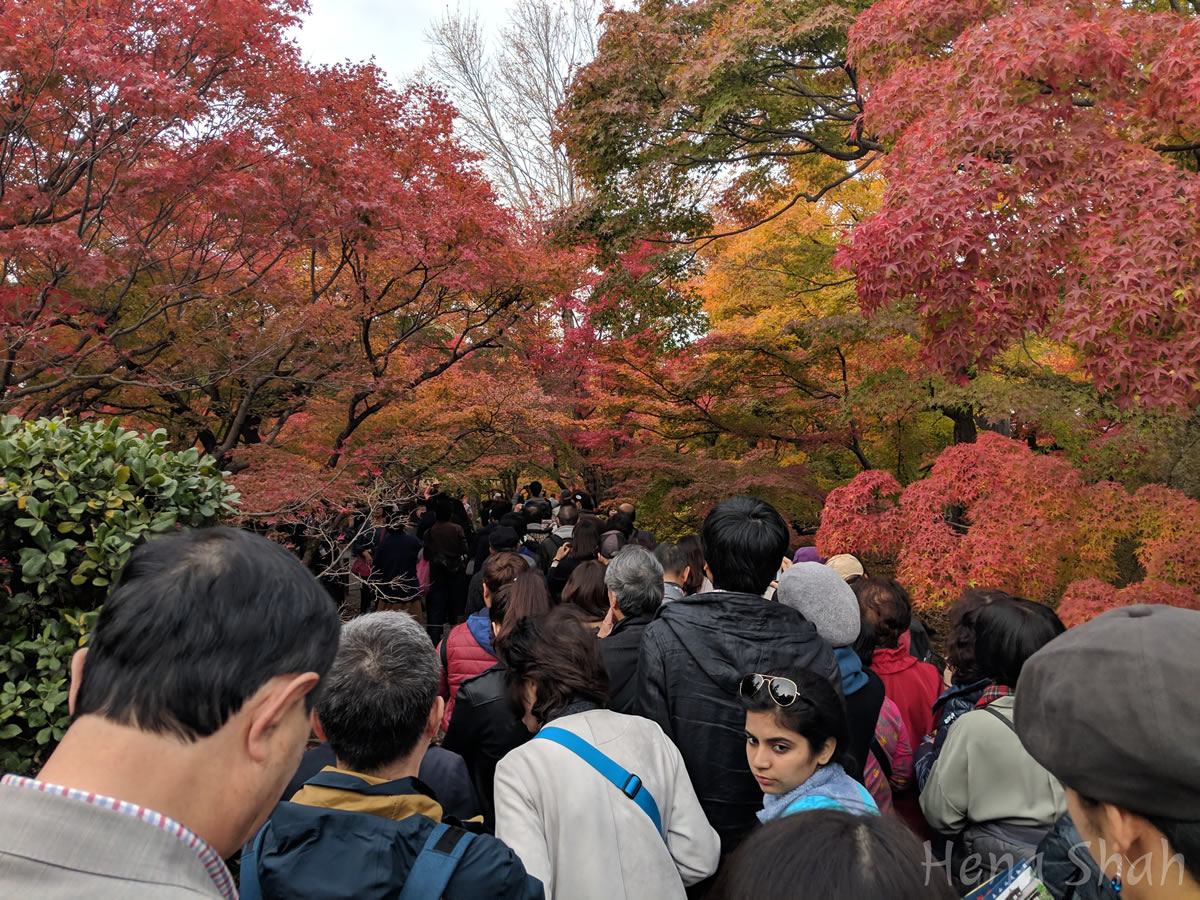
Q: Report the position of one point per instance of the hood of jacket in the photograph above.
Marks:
(889, 662)
(715, 629)
(480, 626)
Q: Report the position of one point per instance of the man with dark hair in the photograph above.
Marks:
(190, 709)
(675, 565)
(694, 653)
(362, 828)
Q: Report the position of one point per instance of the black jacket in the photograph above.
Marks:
(862, 716)
(483, 729)
(620, 651)
(692, 656)
(1068, 869)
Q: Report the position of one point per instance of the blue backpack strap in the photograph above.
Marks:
(435, 864)
(628, 783)
(248, 887)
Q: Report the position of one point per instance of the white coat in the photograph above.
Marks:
(579, 834)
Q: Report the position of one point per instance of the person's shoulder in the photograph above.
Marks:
(483, 683)
(490, 868)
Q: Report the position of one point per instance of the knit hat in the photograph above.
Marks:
(846, 565)
(1110, 709)
(819, 593)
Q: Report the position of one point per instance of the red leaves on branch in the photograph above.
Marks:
(1036, 185)
(996, 514)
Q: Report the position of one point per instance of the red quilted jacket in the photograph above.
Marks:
(462, 657)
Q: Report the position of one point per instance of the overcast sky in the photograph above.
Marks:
(393, 31)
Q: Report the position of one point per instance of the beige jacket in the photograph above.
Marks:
(56, 848)
(585, 840)
(984, 775)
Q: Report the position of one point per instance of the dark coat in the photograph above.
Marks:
(1068, 869)
(620, 651)
(693, 655)
(483, 729)
(862, 715)
(395, 562)
(327, 852)
(955, 701)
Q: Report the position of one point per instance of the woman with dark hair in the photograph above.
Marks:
(912, 685)
(831, 855)
(599, 804)
(583, 546)
(1111, 709)
(482, 726)
(797, 741)
(985, 788)
(966, 682)
(587, 592)
(697, 581)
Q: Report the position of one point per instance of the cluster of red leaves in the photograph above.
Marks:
(996, 514)
(1037, 183)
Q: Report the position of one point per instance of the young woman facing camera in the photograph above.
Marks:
(795, 745)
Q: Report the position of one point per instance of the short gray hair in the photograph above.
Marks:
(636, 579)
(375, 701)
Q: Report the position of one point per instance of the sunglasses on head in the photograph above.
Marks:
(781, 690)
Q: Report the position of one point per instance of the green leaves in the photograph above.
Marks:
(75, 499)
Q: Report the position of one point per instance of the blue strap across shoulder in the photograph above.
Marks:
(628, 783)
(443, 850)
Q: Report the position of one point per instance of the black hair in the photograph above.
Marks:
(833, 855)
(525, 595)
(443, 508)
(535, 489)
(864, 646)
(744, 541)
(1008, 632)
(960, 642)
(515, 521)
(585, 589)
(560, 656)
(568, 514)
(672, 557)
(818, 712)
(198, 622)
(622, 522)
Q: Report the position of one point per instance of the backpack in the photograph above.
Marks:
(435, 864)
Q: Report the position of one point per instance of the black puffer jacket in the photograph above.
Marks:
(1068, 869)
(691, 658)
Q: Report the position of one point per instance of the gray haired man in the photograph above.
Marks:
(635, 591)
(362, 828)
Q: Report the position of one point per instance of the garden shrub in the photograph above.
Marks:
(75, 499)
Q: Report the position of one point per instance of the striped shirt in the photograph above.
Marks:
(211, 860)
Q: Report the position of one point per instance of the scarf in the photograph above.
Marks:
(995, 692)
(853, 676)
(830, 781)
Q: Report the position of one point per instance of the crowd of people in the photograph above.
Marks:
(553, 704)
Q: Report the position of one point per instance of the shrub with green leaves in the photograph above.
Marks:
(75, 499)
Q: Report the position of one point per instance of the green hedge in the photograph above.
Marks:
(76, 498)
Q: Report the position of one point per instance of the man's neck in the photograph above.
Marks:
(162, 773)
(673, 579)
(408, 767)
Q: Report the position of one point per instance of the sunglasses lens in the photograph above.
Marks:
(783, 691)
(750, 685)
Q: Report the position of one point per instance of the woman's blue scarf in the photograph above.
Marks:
(853, 676)
(830, 783)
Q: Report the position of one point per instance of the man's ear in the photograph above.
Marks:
(77, 661)
(435, 717)
(612, 600)
(687, 570)
(269, 709)
(318, 729)
(708, 575)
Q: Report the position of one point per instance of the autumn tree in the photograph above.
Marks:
(1042, 181)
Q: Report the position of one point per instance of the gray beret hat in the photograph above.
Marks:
(823, 598)
(1111, 709)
